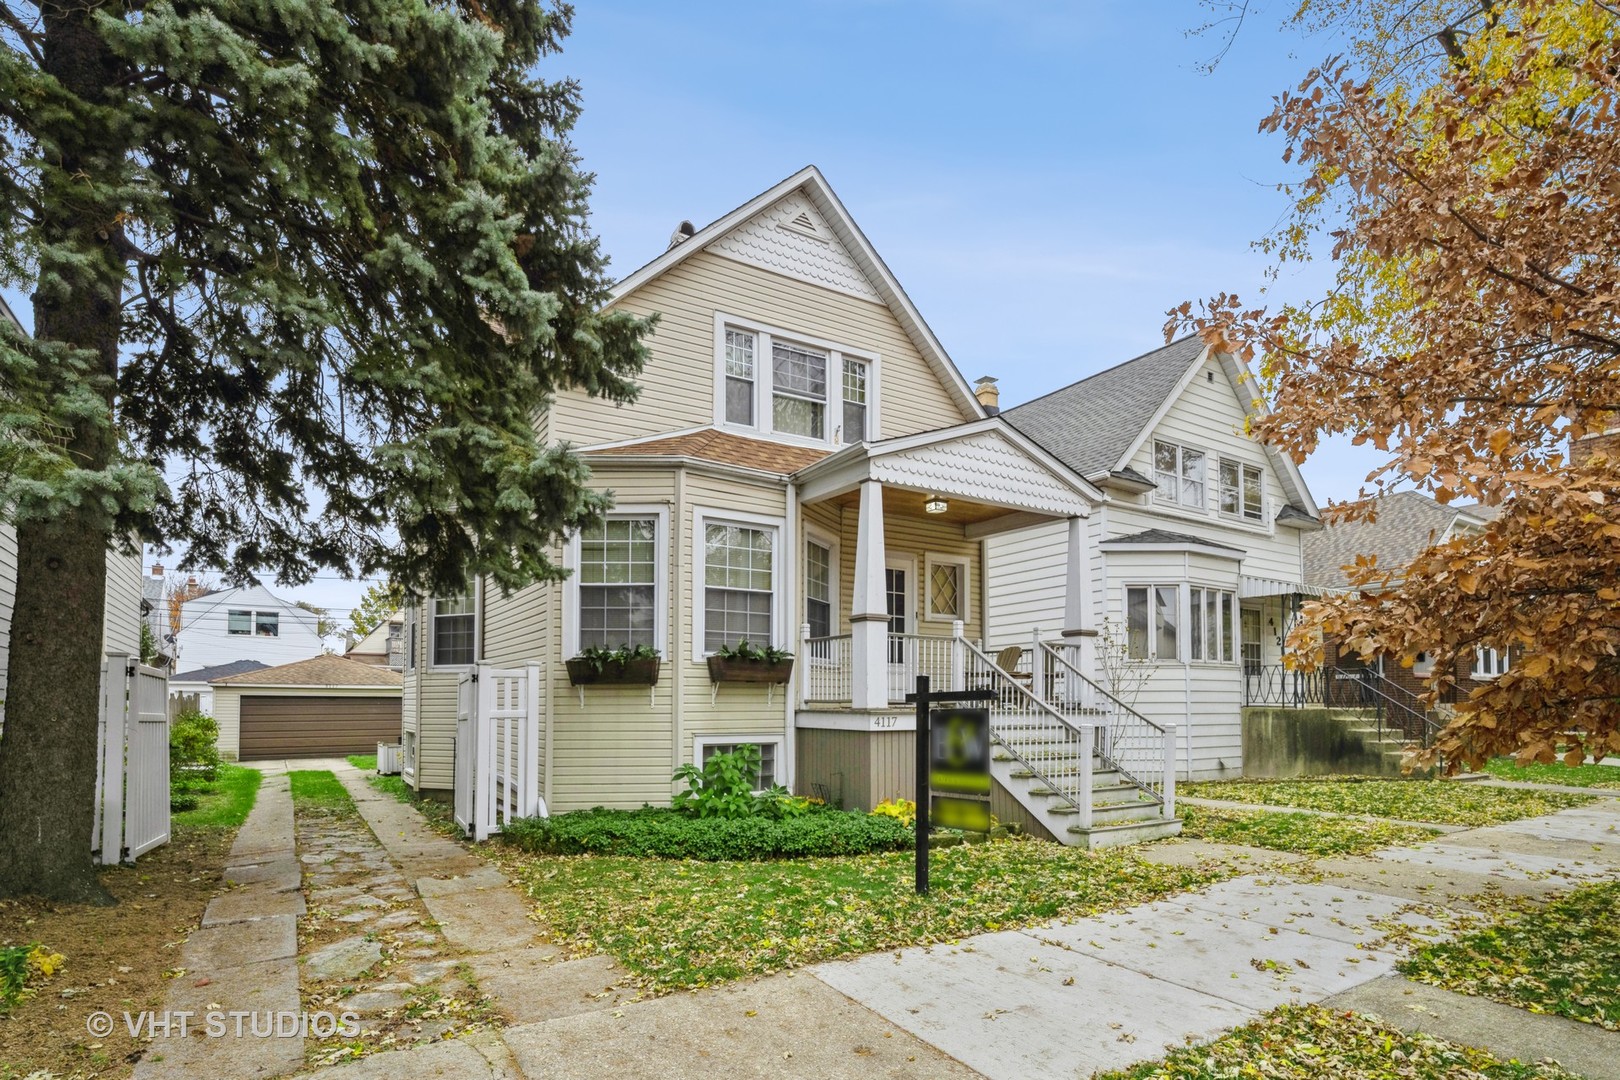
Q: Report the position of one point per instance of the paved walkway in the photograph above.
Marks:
(1059, 1000)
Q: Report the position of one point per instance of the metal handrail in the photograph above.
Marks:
(1276, 685)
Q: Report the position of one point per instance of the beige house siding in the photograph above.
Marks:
(428, 708)
(677, 387)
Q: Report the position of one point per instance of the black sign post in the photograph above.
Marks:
(964, 749)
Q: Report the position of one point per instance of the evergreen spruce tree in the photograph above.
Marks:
(302, 275)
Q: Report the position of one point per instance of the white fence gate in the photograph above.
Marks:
(132, 761)
(497, 763)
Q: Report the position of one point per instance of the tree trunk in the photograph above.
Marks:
(48, 745)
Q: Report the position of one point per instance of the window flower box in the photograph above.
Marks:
(749, 664)
(614, 667)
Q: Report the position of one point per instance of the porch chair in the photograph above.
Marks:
(1007, 660)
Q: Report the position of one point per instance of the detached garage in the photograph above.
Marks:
(326, 706)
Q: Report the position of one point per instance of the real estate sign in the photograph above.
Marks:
(959, 768)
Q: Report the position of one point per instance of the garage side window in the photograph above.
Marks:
(454, 631)
(239, 622)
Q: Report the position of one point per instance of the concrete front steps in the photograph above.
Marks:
(1121, 813)
(1389, 745)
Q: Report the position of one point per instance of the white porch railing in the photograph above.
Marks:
(498, 747)
(1144, 752)
(132, 761)
(825, 666)
(911, 655)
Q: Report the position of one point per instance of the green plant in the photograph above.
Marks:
(743, 650)
(21, 963)
(222, 804)
(599, 657)
(902, 810)
(723, 787)
(193, 758)
(659, 833)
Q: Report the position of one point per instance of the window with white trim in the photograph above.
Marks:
(1209, 625)
(1152, 618)
(1242, 490)
(776, 382)
(413, 630)
(739, 584)
(739, 377)
(617, 594)
(820, 577)
(257, 623)
(770, 753)
(239, 622)
(1179, 473)
(455, 631)
(1489, 663)
(1423, 665)
(946, 578)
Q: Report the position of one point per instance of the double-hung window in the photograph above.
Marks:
(618, 583)
(818, 588)
(1489, 663)
(739, 585)
(267, 623)
(1152, 618)
(455, 631)
(1179, 473)
(776, 382)
(1242, 490)
(239, 622)
(1209, 625)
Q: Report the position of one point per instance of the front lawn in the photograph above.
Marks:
(679, 924)
(1444, 802)
(1305, 834)
(1592, 776)
(1561, 958)
(1308, 1041)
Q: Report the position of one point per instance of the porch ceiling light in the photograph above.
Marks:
(935, 504)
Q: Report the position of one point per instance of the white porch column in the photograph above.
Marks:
(1077, 606)
(869, 607)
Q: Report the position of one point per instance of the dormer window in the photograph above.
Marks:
(811, 391)
(1242, 490)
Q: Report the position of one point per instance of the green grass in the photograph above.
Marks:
(679, 924)
(227, 805)
(318, 788)
(1305, 1042)
(1561, 958)
(1444, 802)
(1592, 776)
(1304, 834)
(364, 762)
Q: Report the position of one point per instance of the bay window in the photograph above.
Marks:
(739, 585)
(1209, 625)
(618, 583)
(1152, 615)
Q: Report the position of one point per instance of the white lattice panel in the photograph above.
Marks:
(791, 238)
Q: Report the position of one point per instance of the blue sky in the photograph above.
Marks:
(1045, 178)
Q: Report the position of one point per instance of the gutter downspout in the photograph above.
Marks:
(795, 588)
(681, 619)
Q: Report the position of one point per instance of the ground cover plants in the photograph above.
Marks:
(680, 924)
(1305, 834)
(1444, 802)
(1592, 776)
(654, 832)
(1306, 1042)
(1562, 958)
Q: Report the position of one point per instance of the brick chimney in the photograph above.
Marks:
(157, 570)
(985, 390)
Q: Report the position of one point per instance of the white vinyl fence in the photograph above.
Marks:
(497, 763)
(132, 761)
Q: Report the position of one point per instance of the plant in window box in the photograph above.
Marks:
(750, 663)
(628, 665)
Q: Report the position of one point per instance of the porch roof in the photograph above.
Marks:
(1250, 588)
(720, 447)
(986, 461)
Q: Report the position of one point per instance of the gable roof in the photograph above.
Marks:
(1092, 424)
(1159, 538)
(810, 181)
(218, 671)
(1409, 522)
(721, 447)
(323, 670)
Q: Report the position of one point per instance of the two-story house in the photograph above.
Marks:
(1196, 560)
(244, 623)
(806, 469)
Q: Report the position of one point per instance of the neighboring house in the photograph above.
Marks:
(198, 683)
(384, 646)
(121, 627)
(1408, 523)
(1195, 556)
(805, 468)
(245, 623)
(323, 706)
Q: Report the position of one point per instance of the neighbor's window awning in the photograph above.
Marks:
(1250, 588)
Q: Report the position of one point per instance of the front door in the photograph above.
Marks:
(898, 583)
(1250, 638)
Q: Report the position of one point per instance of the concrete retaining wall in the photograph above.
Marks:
(1314, 742)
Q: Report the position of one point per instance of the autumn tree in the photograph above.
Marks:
(1465, 183)
(302, 274)
(380, 600)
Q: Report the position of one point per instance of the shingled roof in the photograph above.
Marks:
(1408, 523)
(1089, 425)
(721, 447)
(219, 671)
(324, 670)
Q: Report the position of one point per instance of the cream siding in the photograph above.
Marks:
(677, 387)
(428, 708)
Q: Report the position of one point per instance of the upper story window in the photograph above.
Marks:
(1179, 472)
(262, 623)
(1242, 490)
(778, 383)
(455, 631)
(1489, 663)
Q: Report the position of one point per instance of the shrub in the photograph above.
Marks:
(193, 746)
(902, 810)
(653, 832)
(724, 788)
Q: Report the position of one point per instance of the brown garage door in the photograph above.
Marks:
(275, 727)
